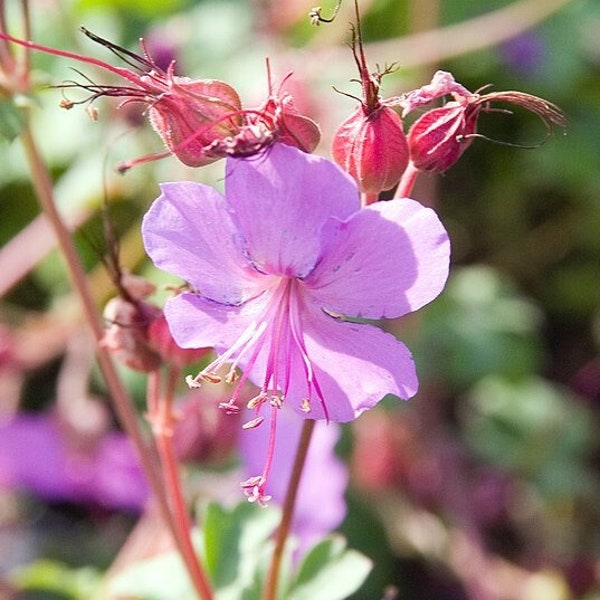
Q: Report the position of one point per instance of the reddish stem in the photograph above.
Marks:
(43, 186)
(161, 416)
(125, 73)
(407, 183)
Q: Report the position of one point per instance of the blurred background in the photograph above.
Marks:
(486, 486)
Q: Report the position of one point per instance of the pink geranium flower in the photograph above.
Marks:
(279, 267)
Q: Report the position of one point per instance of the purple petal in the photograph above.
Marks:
(355, 365)
(281, 200)
(196, 322)
(188, 231)
(320, 505)
(385, 261)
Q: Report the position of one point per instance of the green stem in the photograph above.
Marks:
(288, 510)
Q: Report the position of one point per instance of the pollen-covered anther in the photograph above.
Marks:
(66, 104)
(305, 406)
(254, 488)
(230, 408)
(206, 376)
(256, 401)
(192, 382)
(276, 401)
(232, 376)
(253, 423)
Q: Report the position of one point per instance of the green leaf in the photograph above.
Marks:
(330, 572)
(54, 579)
(160, 578)
(11, 120)
(237, 547)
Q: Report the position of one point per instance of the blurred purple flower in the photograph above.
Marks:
(35, 455)
(320, 505)
(524, 54)
(276, 265)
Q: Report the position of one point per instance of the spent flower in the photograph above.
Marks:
(199, 120)
(280, 268)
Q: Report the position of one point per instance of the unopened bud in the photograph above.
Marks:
(193, 114)
(372, 148)
(438, 138)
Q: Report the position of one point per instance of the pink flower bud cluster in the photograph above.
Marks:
(371, 145)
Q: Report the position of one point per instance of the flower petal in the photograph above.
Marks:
(197, 322)
(281, 200)
(355, 365)
(385, 261)
(188, 231)
(320, 505)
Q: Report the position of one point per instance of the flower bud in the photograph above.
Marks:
(127, 334)
(438, 138)
(372, 148)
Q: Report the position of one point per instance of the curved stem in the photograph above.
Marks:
(407, 182)
(162, 419)
(288, 510)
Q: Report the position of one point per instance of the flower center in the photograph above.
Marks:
(274, 343)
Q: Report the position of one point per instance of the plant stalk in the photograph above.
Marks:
(162, 419)
(288, 510)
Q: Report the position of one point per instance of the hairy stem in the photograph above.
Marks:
(288, 510)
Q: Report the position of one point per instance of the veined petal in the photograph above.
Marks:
(197, 322)
(188, 231)
(386, 260)
(355, 366)
(280, 201)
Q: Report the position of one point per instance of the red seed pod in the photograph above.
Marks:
(438, 138)
(192, 114)
(294, 128)
(370, 144)
(372, 148)
(441, 135)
